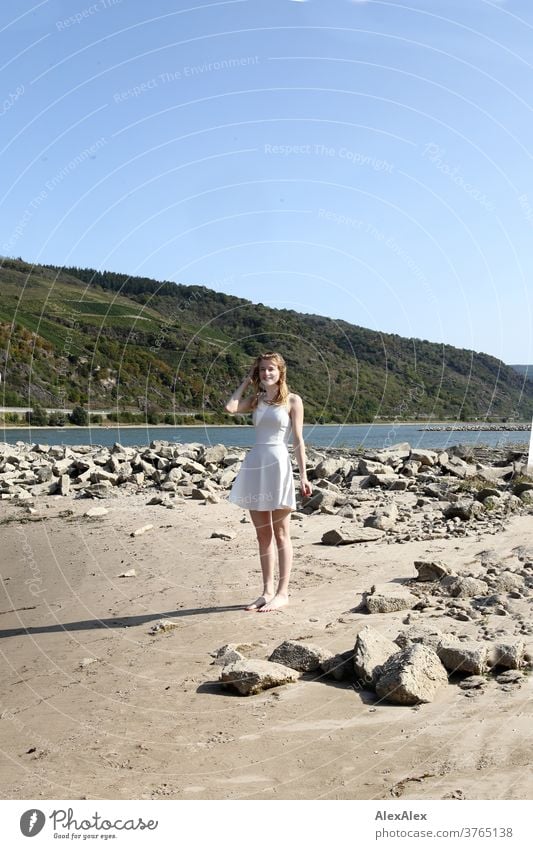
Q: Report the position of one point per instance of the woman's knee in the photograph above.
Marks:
(282, 533)
(264, 534)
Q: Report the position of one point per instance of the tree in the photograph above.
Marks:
(79, 416)
(37, 416)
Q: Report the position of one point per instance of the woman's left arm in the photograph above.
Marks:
(297, 420)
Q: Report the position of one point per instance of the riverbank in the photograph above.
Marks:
(109, 685)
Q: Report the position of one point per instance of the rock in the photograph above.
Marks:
(468, 656)
(214, 454)
(338, 666)
(227, 654)
(252, 676)
(386, 598)
(431, 570)
(96, 512)
(473, 682)
(459, 587)
(411, 676)
(227, 477)
(349, 536)
(384, 518)
(131, 573)
(319, 498)
(510, 677)
(461, 509)
(305, 657)
(507, 581)
(508, 654)
(398, 452)
(393, 482)
(226, 535)
(370, 467)
(523, 486)
(87, 661)
(164, 625)
(99, 490)
(371, 651)
(141, 531)
(424, 457)
(425, 634)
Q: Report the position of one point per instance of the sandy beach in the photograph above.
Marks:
(95, 706)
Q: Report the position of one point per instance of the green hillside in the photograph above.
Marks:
(101, 339)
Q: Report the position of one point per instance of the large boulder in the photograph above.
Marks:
(252, 676)
(371, 651)
(468, 656)
(411, 676)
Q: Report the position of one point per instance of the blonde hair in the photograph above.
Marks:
(283, 389)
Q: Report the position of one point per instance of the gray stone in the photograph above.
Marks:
(371, 651)
(508, 654)
(227, 654)
(459, 587)
(252, 676)
(215, 453)
(338, 666)
(370, 467)
(387, 598)
(411, 676)
(468, 656)
(384, 518)
(348, 536)
(510, 677)
(473, 682)
(427, 635)
(96, 512)
(305, 657)
(507, 581)
(424, 456)
(431, 570)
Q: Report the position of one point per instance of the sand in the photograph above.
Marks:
(149, 720)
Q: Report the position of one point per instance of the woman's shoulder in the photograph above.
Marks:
(294, 400)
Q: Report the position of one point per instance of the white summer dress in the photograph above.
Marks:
(265, 480)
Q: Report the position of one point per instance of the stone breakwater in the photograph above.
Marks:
(475, 428)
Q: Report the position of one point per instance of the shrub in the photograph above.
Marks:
(79, 416)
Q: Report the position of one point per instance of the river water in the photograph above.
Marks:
(318, 436)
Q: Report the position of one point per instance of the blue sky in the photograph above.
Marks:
(371, 161)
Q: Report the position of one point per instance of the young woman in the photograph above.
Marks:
(264, 484)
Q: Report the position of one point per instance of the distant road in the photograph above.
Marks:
(68, 410)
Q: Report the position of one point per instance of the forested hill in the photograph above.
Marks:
(71, 336)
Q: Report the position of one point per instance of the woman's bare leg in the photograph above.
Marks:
(262, 520)
(281, 521)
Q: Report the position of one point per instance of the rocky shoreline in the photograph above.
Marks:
(399, 493)
(412, 584)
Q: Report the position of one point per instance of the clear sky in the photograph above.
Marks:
(371, 161)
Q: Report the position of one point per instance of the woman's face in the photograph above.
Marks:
(269, 373)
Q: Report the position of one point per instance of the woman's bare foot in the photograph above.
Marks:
(279, 600)
(259, 602)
